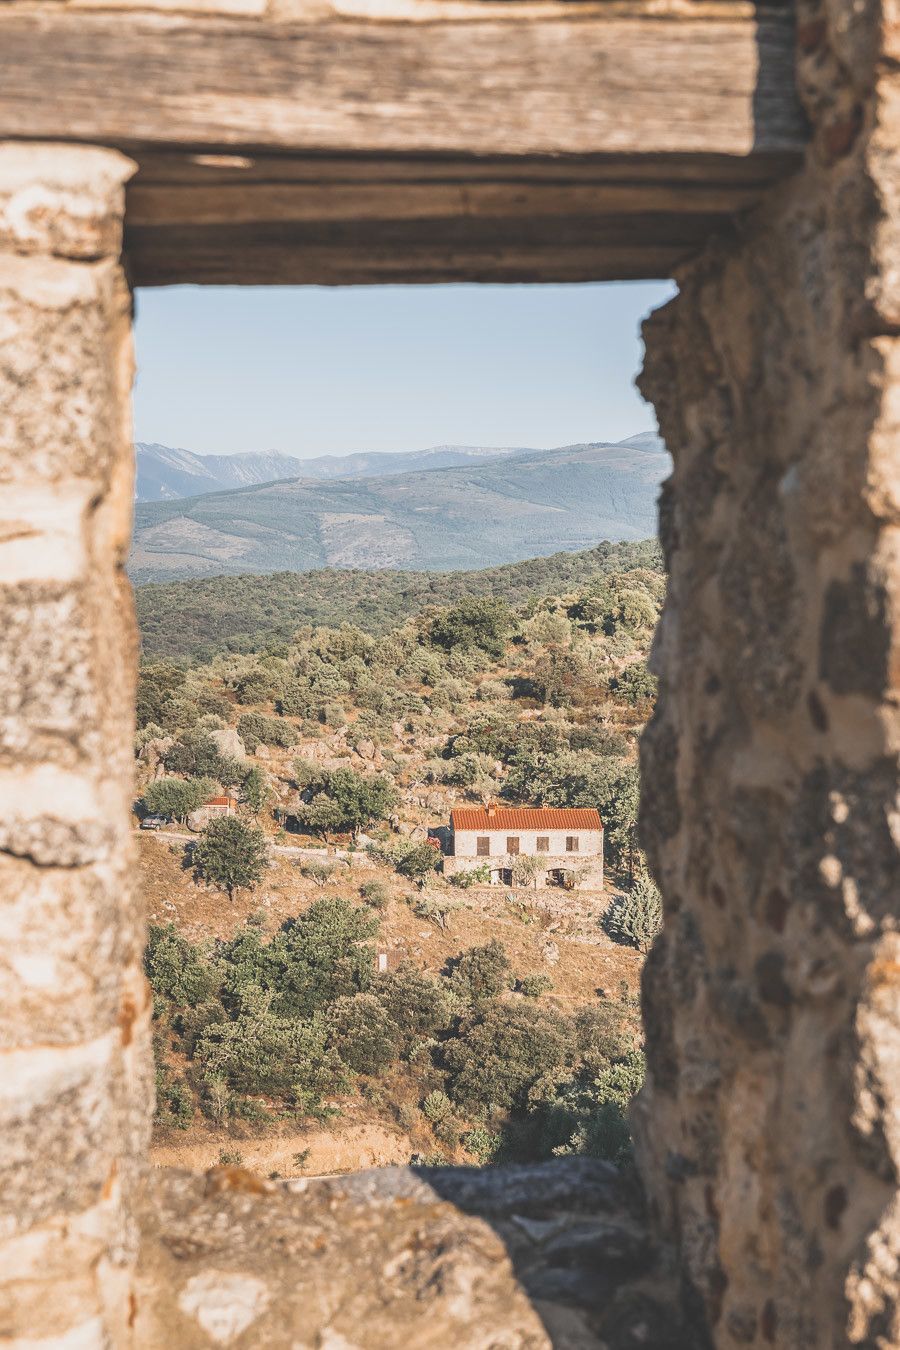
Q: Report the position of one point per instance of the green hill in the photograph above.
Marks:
(472, 516)
(195, 619)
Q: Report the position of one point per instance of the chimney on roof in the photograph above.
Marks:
(491, 810)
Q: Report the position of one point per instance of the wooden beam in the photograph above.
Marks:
(574, 146)
(575, 85)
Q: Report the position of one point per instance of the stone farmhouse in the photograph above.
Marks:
(566, 846)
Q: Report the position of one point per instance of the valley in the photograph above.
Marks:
(340, 1003)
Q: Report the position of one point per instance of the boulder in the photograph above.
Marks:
(152, 753)
(199, 819)
(228, 742)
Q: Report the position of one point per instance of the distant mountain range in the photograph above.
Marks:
(166, 474)
(494, 507)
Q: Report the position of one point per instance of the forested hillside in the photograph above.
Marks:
(193, 620)
(505, 1023)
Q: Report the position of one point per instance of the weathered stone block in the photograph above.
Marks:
(59, 383)
(62, 200)
(51, 692)
(65, 938)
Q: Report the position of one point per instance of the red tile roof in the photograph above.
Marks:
(220, 801)
(525, 818)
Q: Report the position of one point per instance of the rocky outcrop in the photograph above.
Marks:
(518, 1258)
(229, 742)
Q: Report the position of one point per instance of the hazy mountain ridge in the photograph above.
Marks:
(440, 519)
(166, 473)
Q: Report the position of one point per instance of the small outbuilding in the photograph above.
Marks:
(210, 810)
(528, 846)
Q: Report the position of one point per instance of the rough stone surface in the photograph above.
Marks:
(516, 1258)
(769, 1131)
(75, 1071)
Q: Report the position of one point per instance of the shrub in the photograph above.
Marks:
(635, 917)
(482, 1144)
(592, 1117)
(636, 684)
(437, 1107)
(473, 876)
(490, 691)
(296, 699)
(481, 972)
(477, 621)
(418, 1003)
(176, 797)
(533, 986)
(419, 862)
(467, 769)
(319, 872)
(435, 908)
(174, 1100)
(363, 1032)
(254, 729)
(321, 955)
(156, 685)
(176, 968)
(601, 1036)
(499, 1055)
(375, 893)
(230, 854)
(260, 1052)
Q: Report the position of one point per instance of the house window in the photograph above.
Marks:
(571, 843)
(512, 843)
(483, 846)
(543, 843)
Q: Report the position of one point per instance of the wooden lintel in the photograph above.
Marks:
(570, 146)
(574, 86)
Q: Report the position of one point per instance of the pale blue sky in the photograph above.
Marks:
(311, 370)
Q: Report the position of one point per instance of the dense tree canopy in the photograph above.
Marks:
(230, 854)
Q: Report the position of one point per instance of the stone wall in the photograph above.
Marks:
(75, 1084)
(769, 1131)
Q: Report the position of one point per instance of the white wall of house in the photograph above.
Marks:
(465, 842)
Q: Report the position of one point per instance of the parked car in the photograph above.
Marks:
(153, 822)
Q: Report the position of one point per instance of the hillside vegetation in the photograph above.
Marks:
(193, 620)
(477, 515)
(505, 1024)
